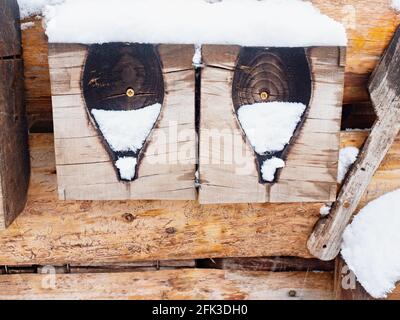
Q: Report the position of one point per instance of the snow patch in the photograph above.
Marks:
(272, 23)
(27, 25)
(325, 209)
(126, 167)
(371, 245)
(30, 8)
(347, 157)
(197, 58)
(396, 4)
(269, 167)
(127, 130)
(270, 126)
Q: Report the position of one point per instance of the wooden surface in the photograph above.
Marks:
(10, 32)
(228, 169)
(171, 285)
(325, 241)
(84, 169)
(370, 26)
(14, 157)
(58, 232)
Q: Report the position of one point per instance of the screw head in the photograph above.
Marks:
(130, 92)
(264, 95)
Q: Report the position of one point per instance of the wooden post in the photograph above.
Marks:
(14, 157)
(324, 243)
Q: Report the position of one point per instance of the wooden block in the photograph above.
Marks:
(230, 170)
(10, 31)
(192, 284)
(86, 161)
(14, 155)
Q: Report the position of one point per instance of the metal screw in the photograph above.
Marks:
(130, 92)
(264, 95)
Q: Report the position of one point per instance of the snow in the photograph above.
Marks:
(273, 23)
(269, 126)
(27, 25)
(396, 4)
(126, 130)
(371, 245)
(126, 167)
(347, 157)
(325, 209)
(29, 8)
(269, 167)
(197, 57)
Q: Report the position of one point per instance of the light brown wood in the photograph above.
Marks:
(84, 168)
(170, 285)
(59, 232)
(228, 172)
(324, 243)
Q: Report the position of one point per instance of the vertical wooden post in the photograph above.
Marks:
(14, 156)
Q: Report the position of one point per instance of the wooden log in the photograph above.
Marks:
(230, 170)
(59, 232)
(86, 162)
(325, 241)
(10, 32)
(193, 284)
(14, 155)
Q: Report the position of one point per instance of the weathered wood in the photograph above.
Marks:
(84, 168)
(229, 172)
(14, 156)
(325, 241)
(10, 31)
(170, 285)
(274, 264)
(59, 232)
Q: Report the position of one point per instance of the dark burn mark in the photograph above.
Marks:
(272, 74)
(111, 72)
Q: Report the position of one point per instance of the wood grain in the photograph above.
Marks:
(85, 171)
(10, 32)
(193, 284)
(58, 232)
(228, 168)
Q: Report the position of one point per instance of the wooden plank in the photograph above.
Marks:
(84, 165)
(10, 32)
(14, 157)
(229, 168)
(326, 238)
(59, 232)
(170, 285)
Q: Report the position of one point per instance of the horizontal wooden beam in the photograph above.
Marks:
(170, 284)
(59, 232)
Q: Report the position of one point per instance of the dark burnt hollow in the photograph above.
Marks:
(111, 70)
(283, 73)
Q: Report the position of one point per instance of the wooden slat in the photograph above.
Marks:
(10, 32)
(14, 157)
(171, 285)
(59, 232)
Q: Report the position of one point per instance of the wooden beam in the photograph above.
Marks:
(324, 243)
(59, 232)
(14, 157)
(197, 284)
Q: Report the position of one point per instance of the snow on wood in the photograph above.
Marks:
(126, 167)
(269, 168)
(35, 7)
(371, 245)
(396, 4)
(347, 157)
(283, 23)
(127, 130)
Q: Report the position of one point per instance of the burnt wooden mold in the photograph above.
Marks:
(122, 77)
(234, 76)
(14, 156)
(272, 74)
(118, 76)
